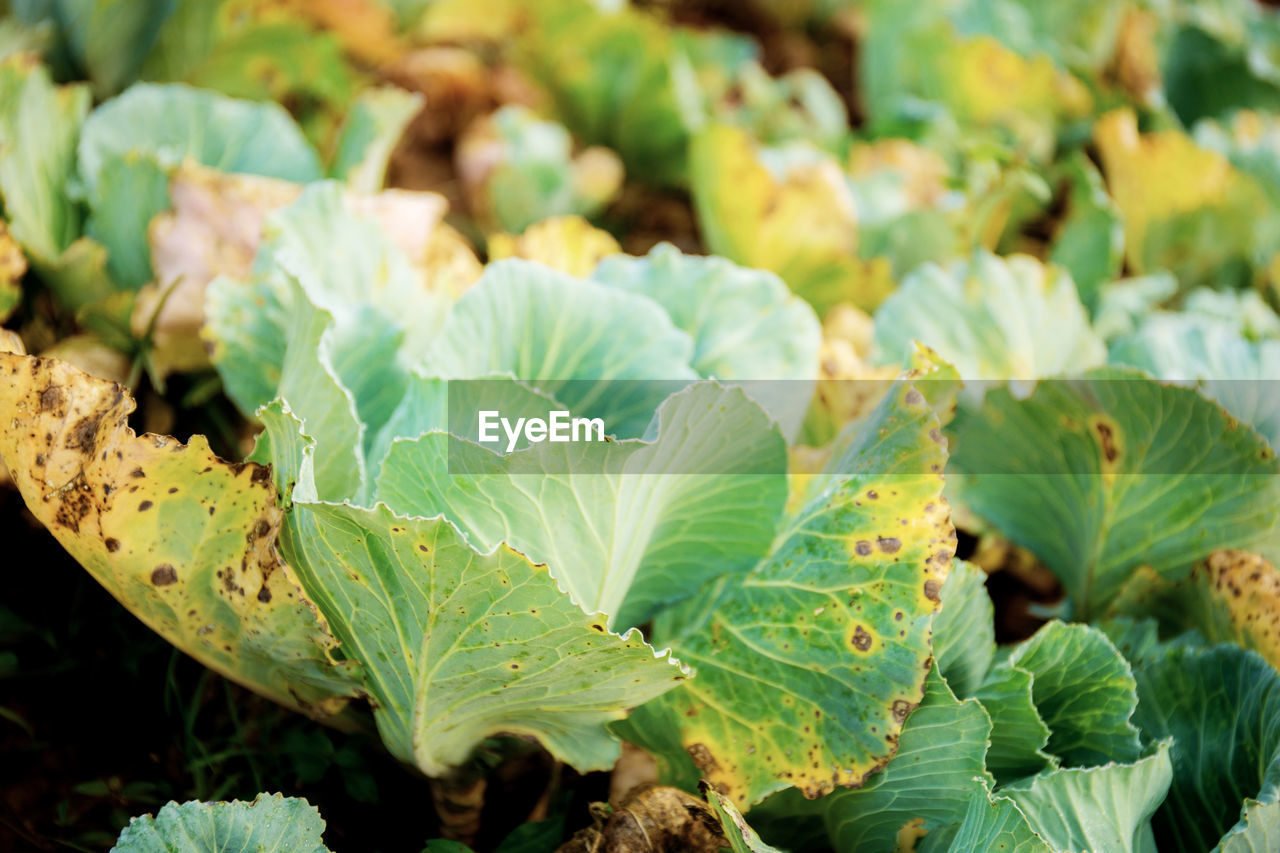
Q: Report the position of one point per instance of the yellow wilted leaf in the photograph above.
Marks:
(1185, 208)
(13, 265)
(566, 243)
(801, 224)
(183, 539)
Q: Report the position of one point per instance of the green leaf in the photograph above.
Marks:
(1089, 243)
(109, 39)
(745, 324)
(1096, 808)
(742, 838)
(612, 79)
(183, 539)
(1084, 691)
(146, 133)
(964, 641)
(271, 822)
(993, 318)
(1018, 733)
(459, 646)
(39, 127)
(257, 360)
(808, 667)
(627, 527)
(1226, 367)
(1101, 475)
(260, 54)
(992, 823)
(519, 169)
(579, 341)
(1221, 705)
(374, 124)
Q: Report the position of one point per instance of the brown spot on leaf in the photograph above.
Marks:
(931, 590)
(1107, 437)
(862, 548)
(83, 433)
(50, 398)
(861, 639)
(888, 544)
(144, 506)
(164, 575)
(113, 545)
(901, 707)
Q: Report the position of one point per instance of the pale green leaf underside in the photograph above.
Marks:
(1096, 808)
(745, 323)
(581, 342)
(270, 824)
(625, 526)
(993, 318)
(1238, 373)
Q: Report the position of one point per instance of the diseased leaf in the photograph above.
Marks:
(458, 646)
(1221, 706)
(993, 318)
(12, 267)
(626, 527)
(183, 539)
(271, 822)
(1100, 475)
(808, 667)
(798, 220)
(1205, 226)
(937, 770)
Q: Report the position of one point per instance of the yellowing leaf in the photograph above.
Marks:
(1185, 208)
(801, 224)
(183, 539)
(566, 243)
(13, 265)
